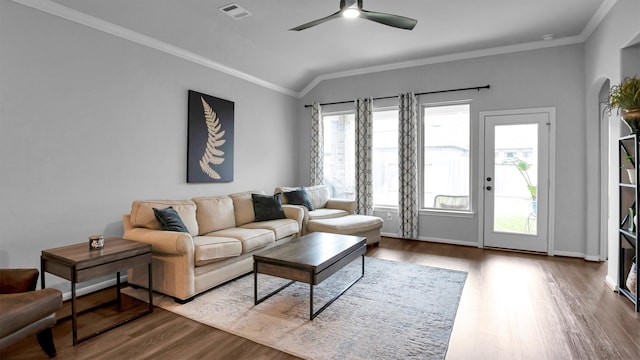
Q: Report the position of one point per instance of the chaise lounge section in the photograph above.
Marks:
(324, 214)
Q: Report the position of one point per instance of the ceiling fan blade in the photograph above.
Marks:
(317, 22)
(397, 21)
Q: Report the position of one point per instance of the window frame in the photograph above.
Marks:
(423, 209)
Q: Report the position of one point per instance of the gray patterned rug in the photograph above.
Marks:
(397, 311)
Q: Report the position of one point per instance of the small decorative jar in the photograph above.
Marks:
(96, 242)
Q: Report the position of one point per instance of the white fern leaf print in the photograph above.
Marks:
(212, 155)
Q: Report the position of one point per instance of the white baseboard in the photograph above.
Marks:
(577, 255)
(448, 241)
(611, 283)
(393, 235)
(475, 244)
(94, 287)
(436, 240)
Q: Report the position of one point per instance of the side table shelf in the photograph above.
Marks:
(77, 263)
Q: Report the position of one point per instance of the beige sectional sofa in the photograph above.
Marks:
(333, 215)
(219, 245)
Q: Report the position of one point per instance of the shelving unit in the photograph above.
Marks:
(628, 210)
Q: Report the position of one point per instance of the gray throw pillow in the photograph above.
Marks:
(170, 220)
(267, 207)
(299, 197)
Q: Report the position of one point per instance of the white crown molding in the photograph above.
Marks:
(81, 18)
(445, 58)
(67, 13)
(592, 24)
(597, 18)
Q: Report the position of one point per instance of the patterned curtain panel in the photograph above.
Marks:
(364, 163)
(408, 165)
(317, 145)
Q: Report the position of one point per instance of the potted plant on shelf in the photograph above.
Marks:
(626, 99)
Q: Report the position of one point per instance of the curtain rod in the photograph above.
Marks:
(422, 93)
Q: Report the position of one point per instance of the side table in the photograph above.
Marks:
(77, 263)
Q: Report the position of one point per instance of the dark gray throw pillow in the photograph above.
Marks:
(170, 220)
(267, 207)
(299, 197)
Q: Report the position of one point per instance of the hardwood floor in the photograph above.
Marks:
(513, 306)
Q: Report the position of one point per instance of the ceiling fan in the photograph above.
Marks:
(353, 8)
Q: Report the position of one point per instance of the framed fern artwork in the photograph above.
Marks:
(210, 139)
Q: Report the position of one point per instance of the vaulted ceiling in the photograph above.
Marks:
(261, 48)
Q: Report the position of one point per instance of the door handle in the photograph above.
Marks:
(489, 188)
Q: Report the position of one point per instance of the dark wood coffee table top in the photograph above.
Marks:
(314, 251)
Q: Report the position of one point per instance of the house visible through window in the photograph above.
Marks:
(339, 154)
(446, 166)
(385, 157)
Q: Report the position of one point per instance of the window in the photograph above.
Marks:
(385, 157)
(339, 154)
(446, 166)
(340, 162)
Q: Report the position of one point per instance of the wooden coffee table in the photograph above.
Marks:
(309, 259)
(77, 263)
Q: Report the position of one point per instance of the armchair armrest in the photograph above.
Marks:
(18, 280)
(342, 204)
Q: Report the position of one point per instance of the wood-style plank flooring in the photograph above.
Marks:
(513, 306)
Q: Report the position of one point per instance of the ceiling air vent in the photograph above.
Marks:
(235, 11)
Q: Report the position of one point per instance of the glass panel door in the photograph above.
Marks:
(516, 180)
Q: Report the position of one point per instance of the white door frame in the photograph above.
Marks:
(603, 136)
(551, 111)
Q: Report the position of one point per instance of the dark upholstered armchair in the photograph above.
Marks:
(26, 311)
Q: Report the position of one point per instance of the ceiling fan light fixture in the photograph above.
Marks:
(351, 13)
(353, 9)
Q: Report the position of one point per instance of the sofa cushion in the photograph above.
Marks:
(281, 227)
(298, 197)
(243, 207)
(326, 214)
(318, 195)
(170, 220)
(142, 213)
(351, 224)
(209, 249)
(214, 213)
(251, 239)
(267, 207)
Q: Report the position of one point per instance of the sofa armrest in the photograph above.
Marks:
(342, 204)
(296, 212)
(163, 242)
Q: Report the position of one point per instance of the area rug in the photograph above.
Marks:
(396, 311)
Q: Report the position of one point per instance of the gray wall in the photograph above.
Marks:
(536, 78)
(604, 60)
(90, 122)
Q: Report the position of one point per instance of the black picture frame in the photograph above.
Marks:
(210, 139)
